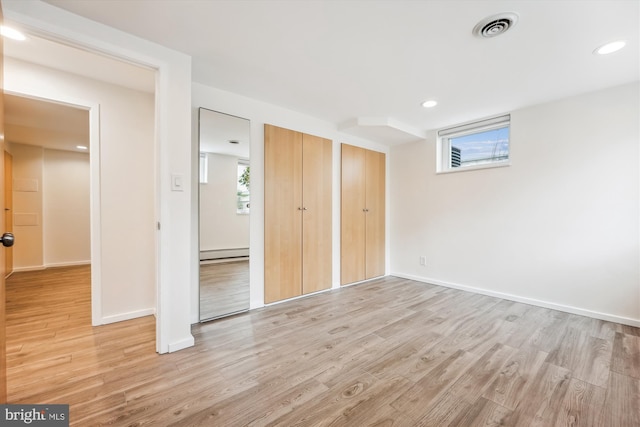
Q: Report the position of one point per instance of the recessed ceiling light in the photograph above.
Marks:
(610, 47)
(82, 147)
(11, 33)
(430, 103)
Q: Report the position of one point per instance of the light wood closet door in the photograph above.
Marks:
(316, 224)
(282, 213)
(353, 199)
(375, 214)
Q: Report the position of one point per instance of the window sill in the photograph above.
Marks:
(475, 168)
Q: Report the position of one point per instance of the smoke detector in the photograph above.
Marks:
(495, 25)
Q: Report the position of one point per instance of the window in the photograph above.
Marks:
(204, 168)
(475, 145)
(243, 187)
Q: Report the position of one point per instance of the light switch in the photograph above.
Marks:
(177, 182)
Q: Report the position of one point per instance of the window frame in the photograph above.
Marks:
(444, 137)
(203, 168)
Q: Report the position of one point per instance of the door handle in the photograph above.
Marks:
(7, 240)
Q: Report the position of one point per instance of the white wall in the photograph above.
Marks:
(61, 234)
(559, 227)
(66, 220)
(259, 113)
(220, 226)
(126, 186)
(28, 165)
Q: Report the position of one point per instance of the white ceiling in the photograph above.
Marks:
(217, 129)
(367, 65)
(73, 60)
(45, 124)
(54, 125)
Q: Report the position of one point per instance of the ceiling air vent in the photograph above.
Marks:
(495, 25)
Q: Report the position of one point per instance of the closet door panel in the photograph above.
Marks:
(352, 233)
(375, 215)
(316, 223)
(283, 214)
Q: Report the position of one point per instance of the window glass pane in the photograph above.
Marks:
(479, 148)
(243, 188)
(203, 168)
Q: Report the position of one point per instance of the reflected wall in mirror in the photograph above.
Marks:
(225, 193)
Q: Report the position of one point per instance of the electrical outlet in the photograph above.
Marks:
(423, 260)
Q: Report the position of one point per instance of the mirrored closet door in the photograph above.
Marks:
(225, 193)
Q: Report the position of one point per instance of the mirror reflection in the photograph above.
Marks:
(225, 193)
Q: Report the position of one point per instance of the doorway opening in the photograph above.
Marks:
(48, 147)
(122, 187)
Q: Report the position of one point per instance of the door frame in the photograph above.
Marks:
(8, 208)
(95, 204)
(173, 127)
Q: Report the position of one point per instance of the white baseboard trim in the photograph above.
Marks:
(260, 304)
(67, 264)
(525, 300)
(128, 316)
(223, 253)
(51, 265)
(296, 297)
(30, 268)
(182, 344)
(362, 281)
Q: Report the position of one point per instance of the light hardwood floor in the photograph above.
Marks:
(224, 288)
(390, 352)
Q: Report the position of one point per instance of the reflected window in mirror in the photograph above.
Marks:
(244, 186)
(204, 168)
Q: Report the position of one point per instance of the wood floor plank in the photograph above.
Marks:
(588, 357)
(435, 383)
(626, 329)
(626, 355)
(444, 410)
(594, 364)
(509, 388)
(474, 382)
(224, 288)
(402, 356)
(541, 406)
(483, 413)
(373, 407)
(245, 408)
(350, 391)
(581, 405)
(389, 352)
(622, 400)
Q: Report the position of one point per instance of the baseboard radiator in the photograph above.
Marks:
(223, 253)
